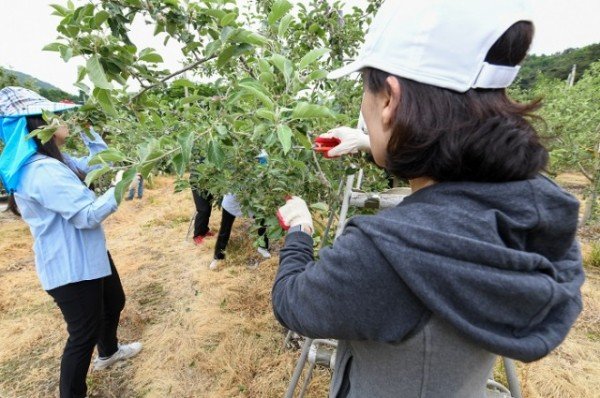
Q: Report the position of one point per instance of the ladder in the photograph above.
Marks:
(322, 352)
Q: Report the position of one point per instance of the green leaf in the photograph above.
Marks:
(284, 133)
(284, 65)
(279, 9)
(83, 87)
(225, 56)
(230, 52)
(150, 55)
(284, 25)
(228, 19)
(81, 71)
(266, 77)
(179, 164)
(266, 114)
(305, 110)
(226, 32)
(109, 155)
(215, 154)
(96, 73)
(44, 133)
(264, 66)
(95, 174)
(105, 100)
(100, 18)
(84, 11)
(218, 14)
(123, 186)
(320, 206)
(59, 10)
(258, 92)
(183, 83)
(66, 53)
(212, 47)
(53, 47)
(317, 75)
(303, 140)
(189, 99)
(312, 56)
(151, 161)
(186, 142)
(245, 36)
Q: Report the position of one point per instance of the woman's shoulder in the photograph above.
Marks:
(44, 170)
(46, 164)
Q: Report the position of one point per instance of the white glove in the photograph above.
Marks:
(294, 212)
(117, 179)
(351, 141)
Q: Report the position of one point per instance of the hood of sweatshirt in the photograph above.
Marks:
(498, 261)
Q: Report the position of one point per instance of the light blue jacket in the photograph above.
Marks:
(65, 217)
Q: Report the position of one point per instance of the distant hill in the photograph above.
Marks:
(24, 77)
(53, 93)
(558, 65)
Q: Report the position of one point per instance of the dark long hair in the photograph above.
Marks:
(48, 148)
(479, 135)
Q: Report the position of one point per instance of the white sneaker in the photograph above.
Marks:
(264, 252)
(125, 351)
(214, 264)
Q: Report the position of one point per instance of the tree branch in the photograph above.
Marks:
(584, 172)
(247, 68)
(139, 79)
(172, 75)
(320, 175)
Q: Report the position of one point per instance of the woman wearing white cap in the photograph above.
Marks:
(64, 216)
(481, 259)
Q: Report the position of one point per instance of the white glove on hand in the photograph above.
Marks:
(351, 141)
(118, 178)
(294, 212)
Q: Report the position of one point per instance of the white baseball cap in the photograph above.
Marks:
(443, 43)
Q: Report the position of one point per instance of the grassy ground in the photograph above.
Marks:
(205, 333)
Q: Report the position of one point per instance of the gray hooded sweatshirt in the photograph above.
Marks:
(457, 272)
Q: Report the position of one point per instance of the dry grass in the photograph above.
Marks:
(206, 334)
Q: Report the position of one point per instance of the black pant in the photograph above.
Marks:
(203, 201)
(91, 310)
(227, 221)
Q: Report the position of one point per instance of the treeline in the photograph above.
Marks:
(559, 65)
(13, 78)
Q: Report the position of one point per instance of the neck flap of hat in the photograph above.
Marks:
(17, 150)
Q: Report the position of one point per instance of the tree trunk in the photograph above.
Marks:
(589, 207)
(590, 204)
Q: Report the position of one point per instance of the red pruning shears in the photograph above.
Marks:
(323, 145)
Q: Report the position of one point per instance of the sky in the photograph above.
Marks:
(26, 26)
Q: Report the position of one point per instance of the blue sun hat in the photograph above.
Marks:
(16, 103)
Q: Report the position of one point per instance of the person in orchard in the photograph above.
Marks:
(231, 209)
(481, 259)
(64, 216)
(203, 201)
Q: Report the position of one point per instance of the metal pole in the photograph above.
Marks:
(187, 235)
(361, 174)
(512, 378)
(345, 205)
(307, 379)
(299, 367)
